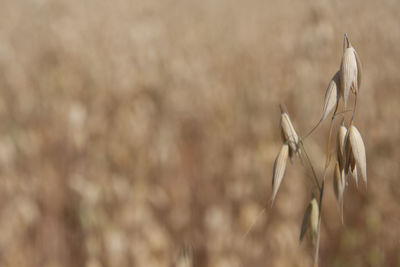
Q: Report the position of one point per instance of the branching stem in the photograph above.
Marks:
(321, 191)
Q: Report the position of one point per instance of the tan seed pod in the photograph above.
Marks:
(340, 141)
(358, 151)
(291, 151)
(350, 71)
(289, 132)
(338, 187)
(331, 96)
(314, 219)
(279, 170)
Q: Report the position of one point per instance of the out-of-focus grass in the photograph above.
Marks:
(131, 128)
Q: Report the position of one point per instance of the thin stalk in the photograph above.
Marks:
(312, 130)
(254, 223)
(316, 126)
(328, 157)
(265, 210)
(310, 164)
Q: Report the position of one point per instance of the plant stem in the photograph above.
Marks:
(252, 225)
(312, 130)
(310, 164)
(328, 158)
(320, 121)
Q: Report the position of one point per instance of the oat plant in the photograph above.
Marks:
(348, 155)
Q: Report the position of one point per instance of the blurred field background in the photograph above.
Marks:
(130, 129)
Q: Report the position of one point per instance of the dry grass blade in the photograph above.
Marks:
(332, 95)
(306, 222)
(358, 151)
(314, 218)
(279, 170)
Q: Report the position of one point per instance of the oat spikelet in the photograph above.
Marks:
(348, 71)
(340, 150)
(314, 218)
(288, 132)
(279, 170)
(331, 96)
(358, 151)
(350, 75)
(338, 187)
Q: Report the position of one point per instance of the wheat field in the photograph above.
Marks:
(132, 129)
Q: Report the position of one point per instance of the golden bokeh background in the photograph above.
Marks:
(131, 129)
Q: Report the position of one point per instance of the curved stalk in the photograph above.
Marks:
(320, 121)
(312, 130)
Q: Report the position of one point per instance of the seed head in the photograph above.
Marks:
(279, 170)
(332, 95)
(350, 71)
(358, 151)
(310, 220)
(288, 132)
